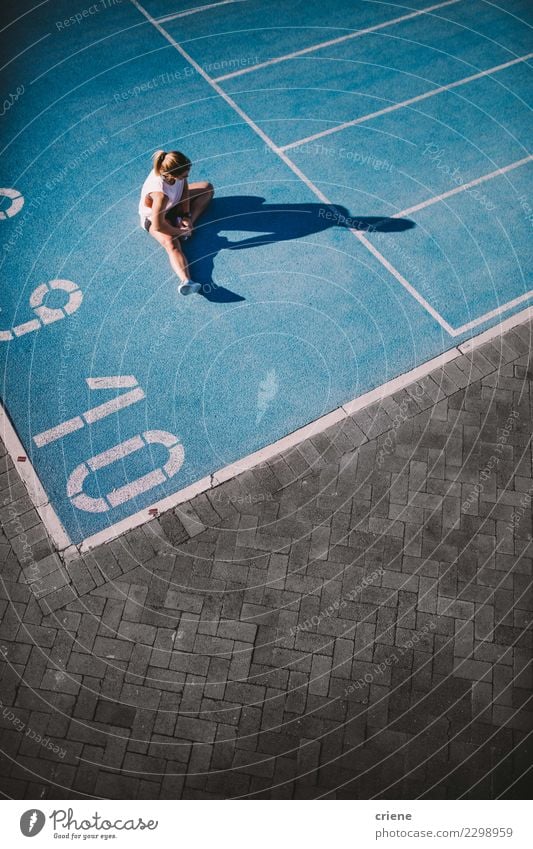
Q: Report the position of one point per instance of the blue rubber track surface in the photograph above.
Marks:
(297, 315)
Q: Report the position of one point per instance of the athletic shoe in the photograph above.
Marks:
(189, 288)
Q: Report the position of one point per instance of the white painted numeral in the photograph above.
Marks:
(46, 315)
(95, 413)
(125, 493)
(17, 202)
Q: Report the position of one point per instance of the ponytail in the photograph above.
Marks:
(157, 159)
(171, 162)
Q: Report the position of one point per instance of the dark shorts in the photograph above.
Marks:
(170, 216)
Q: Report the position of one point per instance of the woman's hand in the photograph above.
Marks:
(184, 226)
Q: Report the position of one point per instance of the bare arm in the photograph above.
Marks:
(159, 222)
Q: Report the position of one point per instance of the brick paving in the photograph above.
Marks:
(348, 620)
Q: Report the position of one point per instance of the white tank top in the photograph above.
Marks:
(153, 183)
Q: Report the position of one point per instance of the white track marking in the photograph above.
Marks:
(58, 432)
(117, 452)
(187, 12)
(332, 41)
(95, 413)
(406, 285)
(47, 315)
(497, 331)
(125, 493)
(493, 313)
(294, 168)
(36, 491)
(27, 327)
(404, 103)
(17, 202)
(508, 305)
(463, 188)
(120, 381)
(131, 490)
(113, 406)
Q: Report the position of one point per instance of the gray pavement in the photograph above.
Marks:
(349, 620)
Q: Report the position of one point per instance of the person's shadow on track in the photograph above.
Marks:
(274, 223)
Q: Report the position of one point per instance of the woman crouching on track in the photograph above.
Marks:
(169, 208)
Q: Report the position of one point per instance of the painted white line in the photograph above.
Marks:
(58, 432)
(463, 188)
(28, 475)
(338, 40)
(121, 381)
(405, 283)
(508, 305)
(117, 452)
(405, 103)
(493, 313)
(137, 487)
(187, 12)
(294, 168)
(28, 327)
(113, 406)
(497, 331)
(95, 413)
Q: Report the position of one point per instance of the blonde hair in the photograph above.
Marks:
(171, 162)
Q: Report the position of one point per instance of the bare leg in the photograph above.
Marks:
(200, 196)
(175, 254)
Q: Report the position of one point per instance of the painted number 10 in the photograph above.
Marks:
(76, 481)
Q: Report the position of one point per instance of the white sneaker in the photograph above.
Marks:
(189, 288)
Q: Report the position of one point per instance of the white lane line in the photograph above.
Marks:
(496, 331)
(405, 103)
(508, 305)
(117, 452)
(339, 40)
(493, 313)
(405, 283)
(120, 381)
(58, 432)
(137, 487)
(92, 415)
(294, 168)
(113, 406)
(187, 12)
(463, 188)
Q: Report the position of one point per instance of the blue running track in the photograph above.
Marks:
(373, 210)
